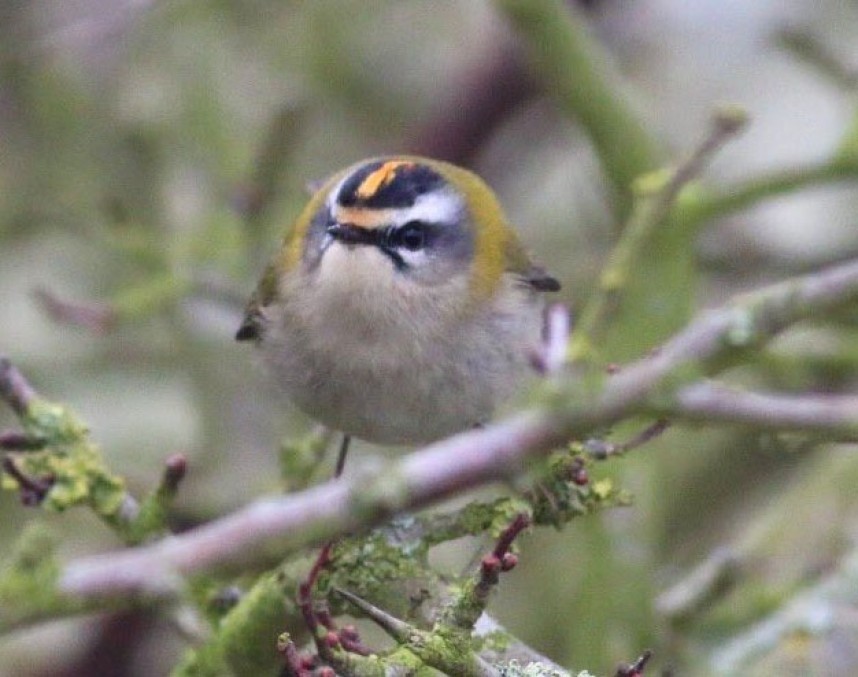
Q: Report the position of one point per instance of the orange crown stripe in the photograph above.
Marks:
(380, 178)
(365, 218)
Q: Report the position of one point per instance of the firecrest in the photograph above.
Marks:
(401, 307)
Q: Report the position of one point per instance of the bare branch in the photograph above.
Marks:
(656, 194)
(715, 337)
(14, 388)
(97, 317)
(466, 460)
(707, 583)
(712, 402)
(799, 615)
(469, 459)
(397, 629)
(602, 449)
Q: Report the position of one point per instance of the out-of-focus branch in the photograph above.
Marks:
(322, 512)
(706, 584)
(480, 99)
(693, 210)
(97, 317)
(573, 70)
(807, 614)
(815, 53)
(835, 415)
(655, 196)
(253, 201)
(14, 388)
(145, 298)
(470, 459)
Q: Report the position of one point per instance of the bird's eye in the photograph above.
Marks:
(412, 236)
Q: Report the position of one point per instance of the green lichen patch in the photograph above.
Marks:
(516, 669)
(566, 490)
(389, 566)
(78, 476)
(52, 424)
(68, 461)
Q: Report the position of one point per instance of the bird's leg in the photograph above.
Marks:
(341, 457)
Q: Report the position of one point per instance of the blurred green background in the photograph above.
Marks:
(153, 153)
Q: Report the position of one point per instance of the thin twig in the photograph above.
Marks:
(14, 388)
(31, 489)
(652, 207)
(15, 440)
(817, 54)
(706, 584)
(602, 449)
(175, 468)
(397, 629)
(97, 317)
(305, 589)
(728, 200)
(637, 668)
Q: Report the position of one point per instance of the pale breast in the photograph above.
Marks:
(406, 371)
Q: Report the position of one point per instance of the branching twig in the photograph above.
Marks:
(31, 489)
(396, 628)
(728, 200)
(64, 468)
(475, 457)
(603, 449)
(305, 590)
(651, 208)
(473, 596)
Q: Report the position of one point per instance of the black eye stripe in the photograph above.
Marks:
(392, 241)
(395, 256)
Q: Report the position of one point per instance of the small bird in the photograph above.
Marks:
(402, 307)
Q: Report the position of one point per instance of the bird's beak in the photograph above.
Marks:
(348, 233)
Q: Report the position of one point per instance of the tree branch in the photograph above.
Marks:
(713, 402)
(656, 194)
(573, 70)
(472, 458)
(693, 210)
(14, 388)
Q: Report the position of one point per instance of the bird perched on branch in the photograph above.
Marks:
(402, 306)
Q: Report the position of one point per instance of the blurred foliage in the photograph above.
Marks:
(151, 155)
